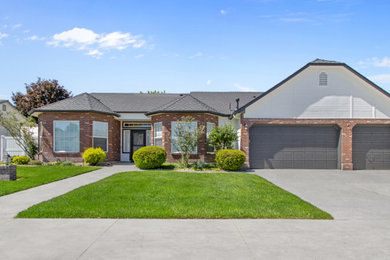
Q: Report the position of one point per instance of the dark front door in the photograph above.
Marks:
(138, 140)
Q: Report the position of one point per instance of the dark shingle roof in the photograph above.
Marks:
(134, 102)
(225, 102)
(322, 61)
(186, 103)
(80, 103)
(219, 103)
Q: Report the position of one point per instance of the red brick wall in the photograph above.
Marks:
(166, 120)
(346, 126)
(86, 121)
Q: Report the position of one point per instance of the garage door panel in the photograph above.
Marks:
(297, 147)
(371, 147)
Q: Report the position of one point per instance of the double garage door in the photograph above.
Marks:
(317, 147)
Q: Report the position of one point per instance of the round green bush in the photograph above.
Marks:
(20, 159)
(94, 156)
(149, 157)
(229, 159)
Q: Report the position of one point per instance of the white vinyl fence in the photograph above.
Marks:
(9, 147)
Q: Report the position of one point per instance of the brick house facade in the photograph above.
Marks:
(201, 118)
(322, 93)
(46, 120)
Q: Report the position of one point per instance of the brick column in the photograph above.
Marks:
(346, 145)
(244, 142)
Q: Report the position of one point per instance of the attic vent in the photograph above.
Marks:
(323, 79)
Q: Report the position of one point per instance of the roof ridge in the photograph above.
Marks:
(98, 100)
(203, 103)
(170, 103)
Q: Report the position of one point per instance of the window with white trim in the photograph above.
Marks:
(190, 126)
(157, 134)
(209, 127)
(323, 79)
(66, 136)
(100, 135)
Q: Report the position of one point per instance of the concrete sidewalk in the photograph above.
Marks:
(12, 204)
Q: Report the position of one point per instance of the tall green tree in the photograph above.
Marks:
(186, 137)
(39, 93)
(223, 137)
(154, 92)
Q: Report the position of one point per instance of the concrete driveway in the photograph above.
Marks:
(359, 201)
(344, 194)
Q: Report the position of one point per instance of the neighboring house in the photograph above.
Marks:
(325, 115)
(8, 146)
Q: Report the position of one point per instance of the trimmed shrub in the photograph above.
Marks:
(199, 165)
(20, 159)
(229, 159)
(94, 156)
(66, 163)
(149, 157)
(35, 162)
(51, 164)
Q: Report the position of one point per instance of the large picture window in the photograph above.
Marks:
(100, 135)
(191, 126)
(158, 134)
(66, 136)
(209, 127)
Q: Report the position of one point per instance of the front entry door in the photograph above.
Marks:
(138, 140)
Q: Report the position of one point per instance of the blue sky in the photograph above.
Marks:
(182, 46)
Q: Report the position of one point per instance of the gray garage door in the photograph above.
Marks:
(371, 147)
(294, 147)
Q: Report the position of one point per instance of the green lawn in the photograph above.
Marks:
(31, 176)
(169, 194)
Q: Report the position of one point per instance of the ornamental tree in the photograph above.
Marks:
(223, 137)
(21, 131)
(185, 137)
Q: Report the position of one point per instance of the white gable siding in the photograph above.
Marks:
(346, 96)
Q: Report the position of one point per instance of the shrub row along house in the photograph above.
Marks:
(325, 115)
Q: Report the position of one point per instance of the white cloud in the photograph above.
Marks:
(3, 35)
(77, 37)
(32, 38)
(120, 41)
(376, 62)
(381, 78)
(244, 88)
(16, 26)
(95, 44)
(94, 53)
(208, 82)
(35, 38)
(139, 56)
(198, 54)
(223, 12)
(26, 31)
